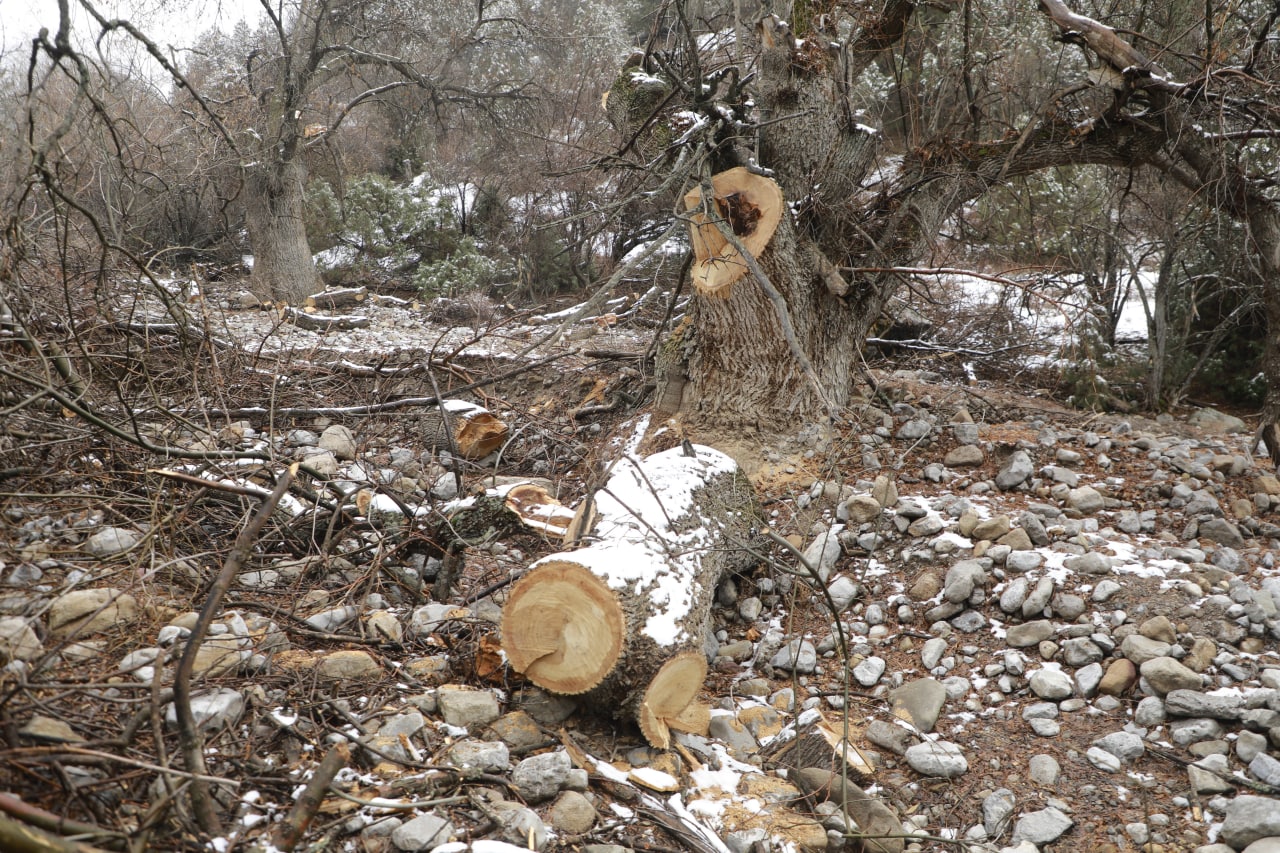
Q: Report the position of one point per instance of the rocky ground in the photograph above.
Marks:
(1061, 629)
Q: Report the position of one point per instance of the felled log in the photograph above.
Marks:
(336, 297)
(476, 432)
(323, 322)
(623, 621)
(752, 206)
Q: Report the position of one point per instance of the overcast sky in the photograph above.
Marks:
(169, 22)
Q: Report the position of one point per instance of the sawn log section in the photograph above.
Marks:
(623, 621)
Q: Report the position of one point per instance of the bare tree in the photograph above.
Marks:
(785, 340)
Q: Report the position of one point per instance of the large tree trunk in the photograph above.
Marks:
(623, 621)
(283, 269)
(1264, 230)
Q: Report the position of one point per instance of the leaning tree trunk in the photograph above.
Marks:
(1264, 228)
(283, 268)
(623, 622)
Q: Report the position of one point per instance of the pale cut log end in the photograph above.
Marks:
(752, 205)
(478, 434)
(669, 701)
(562, 627)
(538, 510)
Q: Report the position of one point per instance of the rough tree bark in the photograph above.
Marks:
(282, 264)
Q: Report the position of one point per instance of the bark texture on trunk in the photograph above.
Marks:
(623, 621)
(283, 268)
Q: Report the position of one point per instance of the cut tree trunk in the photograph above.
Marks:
(324, 322)
(472, 430)
(623, 621)
(336, 297)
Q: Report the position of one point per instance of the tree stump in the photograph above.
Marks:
(475, 431)
(623, 621)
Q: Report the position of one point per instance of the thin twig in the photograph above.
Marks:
(190, 740)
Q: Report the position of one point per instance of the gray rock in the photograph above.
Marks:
(1210, 775)
(422, 833)
(914, 430)
(824, 551)
(844, 591)
(1088, 678)
(1250, 744)
(1265, 769)
(1264, 845)
(1193, 703)
(1038, 598)
(941, 759)
(962, 579)
(1051, 684)
(1140, 649)
(324, 463)
(541, 777)
(1103, 760)
(799, 655)
(213, 710)
(1067, 606)
(860, 509)
(1213, 421)
(997, 811)
(1086, 500)
(1221, 531)
(473, 757)
(340, 441)
(1089, 564)
(932, 652)
(868, 672)
(1082, 651)
(1023, 561)
(1015, 592)
(18, 641)
(1105, 590)
(572, 814)
(90, 611)
(964, 456)
(1249, 818)
(1016, 470)
(1194, 730)
(1164, 675)
(1123, 745)
(520, 826)
(735, 735)
(1029, 633)
(333, 619)
(1042, 827)
(110, 541)
(889, 736)
(919, 702)
(1044, 770)
(969, 621)
(461, 706)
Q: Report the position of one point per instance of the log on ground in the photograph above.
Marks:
(623, 621)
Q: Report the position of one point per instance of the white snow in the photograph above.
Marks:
(638, 510)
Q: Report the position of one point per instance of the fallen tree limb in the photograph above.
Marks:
(623, 621)
(324, 322)
(31, 830)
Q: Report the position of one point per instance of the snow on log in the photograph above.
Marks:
(476, 431)
(323, 322)
(623, 621)
(752, 206)
(336, 297)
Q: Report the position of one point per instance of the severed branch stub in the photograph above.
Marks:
(752, 206)
(623, 622)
